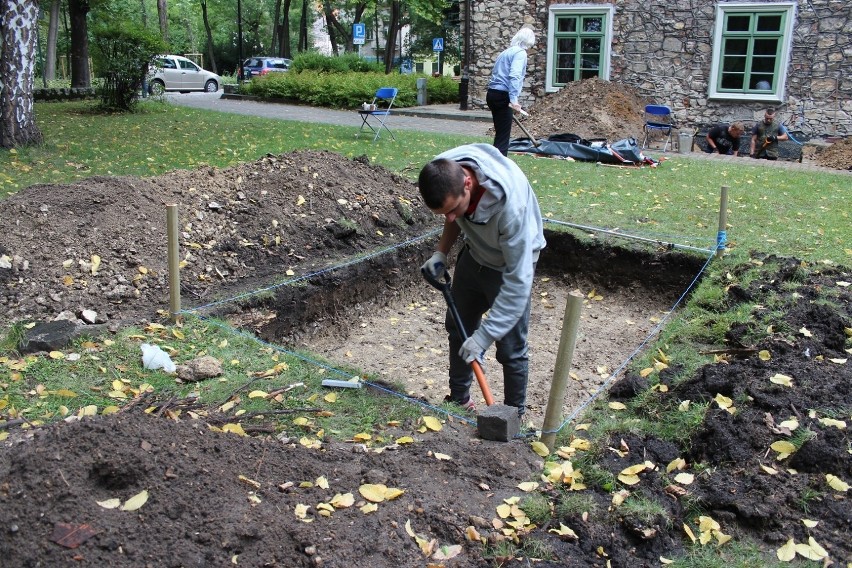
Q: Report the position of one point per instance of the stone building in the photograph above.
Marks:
(710, 61)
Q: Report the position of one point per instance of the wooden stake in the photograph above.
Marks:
(174, 260)
(722, 235)
(553, 414)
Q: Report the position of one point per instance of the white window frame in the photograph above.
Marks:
(721, 9)
(556, 10)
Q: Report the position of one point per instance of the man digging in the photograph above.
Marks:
(485, 197)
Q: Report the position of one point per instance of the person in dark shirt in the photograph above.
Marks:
(725, 139)
(765, 137)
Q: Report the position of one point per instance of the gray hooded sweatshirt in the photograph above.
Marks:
(504, 233)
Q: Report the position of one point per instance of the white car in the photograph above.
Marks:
(176, 73)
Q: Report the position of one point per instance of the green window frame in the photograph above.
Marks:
(578, 45)
(751, 49)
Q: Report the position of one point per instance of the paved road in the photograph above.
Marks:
(473, 126)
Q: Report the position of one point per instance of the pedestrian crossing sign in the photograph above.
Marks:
(438, 44)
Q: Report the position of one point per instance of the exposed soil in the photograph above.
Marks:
(246, 226)
(591, 108)
(837, 156)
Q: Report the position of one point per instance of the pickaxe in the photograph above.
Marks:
(444, 287)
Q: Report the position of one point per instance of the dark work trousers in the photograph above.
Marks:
(474, 290)
(501, 113)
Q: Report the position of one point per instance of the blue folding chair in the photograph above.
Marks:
(659, 118)
(382, 103)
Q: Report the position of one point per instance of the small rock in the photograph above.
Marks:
(213, 206)
(89, 316)
(66, 315)
(199, 369)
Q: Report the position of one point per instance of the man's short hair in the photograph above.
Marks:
(440, 179)
(771, 111)
(738, 126)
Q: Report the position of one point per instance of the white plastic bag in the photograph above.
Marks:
(155, 358)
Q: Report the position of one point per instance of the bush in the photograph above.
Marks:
(124, 52)
(347, 90)
(348, 62)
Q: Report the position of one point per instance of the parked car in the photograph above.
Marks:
(263, 65)
(176, 73)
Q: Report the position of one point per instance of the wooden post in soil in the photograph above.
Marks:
(553, 414)
(722, 235)
(174, 260)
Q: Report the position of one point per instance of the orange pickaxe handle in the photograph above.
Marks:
(443, 284)
(483, 385)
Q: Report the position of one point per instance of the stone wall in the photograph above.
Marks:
(663, 48)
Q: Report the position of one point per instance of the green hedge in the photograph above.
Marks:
(347, 90)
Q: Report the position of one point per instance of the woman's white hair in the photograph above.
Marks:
(525, 38)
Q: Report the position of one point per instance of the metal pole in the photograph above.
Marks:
(553, 414)
(722, 235)
(174, 260)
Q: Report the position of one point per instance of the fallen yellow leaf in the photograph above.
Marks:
(432, 423)
(136, 501)
(836, 483)
(787, 552)
(780, 379)
(540, 448)
(109, 503)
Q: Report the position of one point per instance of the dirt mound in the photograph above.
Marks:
(591, 108)
(837, 156)
(101, 244)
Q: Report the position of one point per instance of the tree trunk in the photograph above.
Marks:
(275, 30)
(52, 34)
(78, 11)
(329, 24)
(284, 32)
(393, 28)
(303, 28)
(341, 34)
(144, 12)
(163, 13)
(19, 29)
(209, 37)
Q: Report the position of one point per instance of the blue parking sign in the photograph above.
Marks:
(359, 33)
(438, 44)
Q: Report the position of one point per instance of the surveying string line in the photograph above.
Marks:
(323, 271)
(330, 368)
(628, 236)
(636, 352)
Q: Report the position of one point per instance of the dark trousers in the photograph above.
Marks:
(475, 288)
(501, 114)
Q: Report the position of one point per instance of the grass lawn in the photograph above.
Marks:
(771, 209)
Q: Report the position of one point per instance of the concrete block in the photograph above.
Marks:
(498, 422)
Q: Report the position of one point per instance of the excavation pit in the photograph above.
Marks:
(382, 317)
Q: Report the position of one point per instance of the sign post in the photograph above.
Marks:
(438, 48)
(359, 35)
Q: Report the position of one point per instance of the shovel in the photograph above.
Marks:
(444, 287)
(535, 142)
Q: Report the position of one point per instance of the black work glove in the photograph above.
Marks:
(772, 139)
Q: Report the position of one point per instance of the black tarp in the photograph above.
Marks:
(622, 152)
